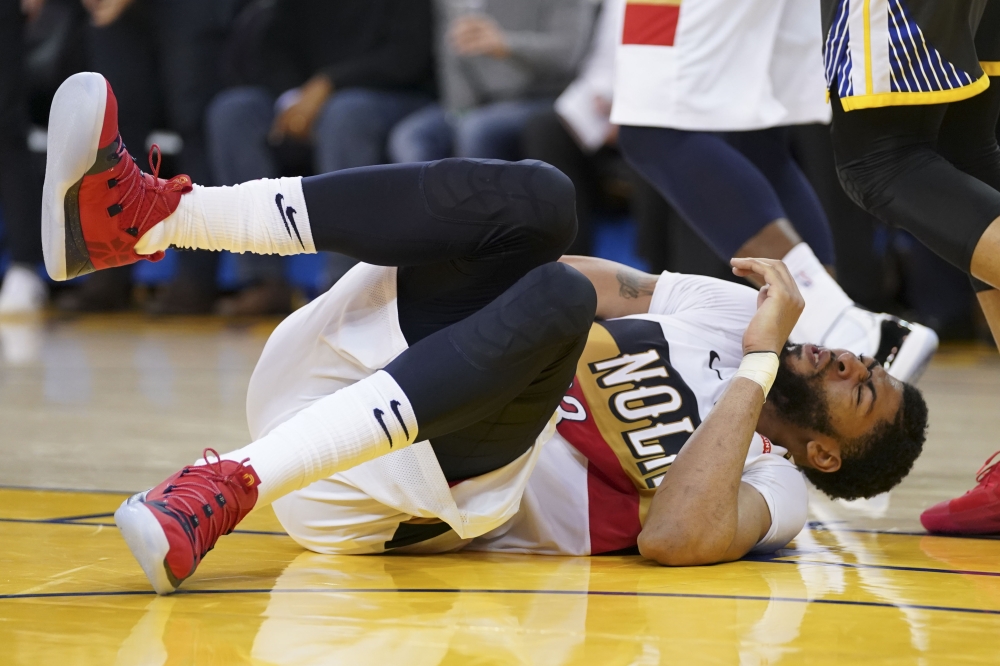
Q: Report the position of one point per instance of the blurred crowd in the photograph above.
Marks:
(234, 90)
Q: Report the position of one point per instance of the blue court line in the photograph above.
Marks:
(825, 527)
(890, 567)
(86, 516)
(593, 593)
(5, 486)
(73, 521)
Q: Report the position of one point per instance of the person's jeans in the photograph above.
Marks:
(158, 58)
(492, 131)
(20, 186)
(351, 131)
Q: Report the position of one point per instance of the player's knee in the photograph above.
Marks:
(533, 203)
(554, 218)
(565, 291)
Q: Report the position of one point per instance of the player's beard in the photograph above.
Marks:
(800, 399)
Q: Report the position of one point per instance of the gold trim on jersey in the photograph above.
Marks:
(608, 379)
(878, 100)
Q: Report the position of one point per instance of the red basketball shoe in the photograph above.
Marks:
(97, 203)
(975, 512)
(171, 528)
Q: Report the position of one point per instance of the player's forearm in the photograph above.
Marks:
(694, 516)
(621, 290)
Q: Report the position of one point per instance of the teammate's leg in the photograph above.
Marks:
(769, 150)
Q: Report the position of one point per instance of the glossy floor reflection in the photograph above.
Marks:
(115, 404)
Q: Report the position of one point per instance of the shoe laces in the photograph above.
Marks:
(200, 494)
(989, 473)
(141, 192)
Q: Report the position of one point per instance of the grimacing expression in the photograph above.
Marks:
(834, 392)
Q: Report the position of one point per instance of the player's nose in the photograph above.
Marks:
(849, 366)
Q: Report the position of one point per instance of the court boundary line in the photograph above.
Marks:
(888, 567)
(594, 593)
(71, 521)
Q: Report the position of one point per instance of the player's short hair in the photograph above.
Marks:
(878, 460)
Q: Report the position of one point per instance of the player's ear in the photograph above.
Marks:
(823, 453)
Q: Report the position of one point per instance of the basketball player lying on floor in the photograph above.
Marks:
(455, 391)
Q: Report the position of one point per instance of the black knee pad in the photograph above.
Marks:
(565, 298)
(530, 199)
(553, 305)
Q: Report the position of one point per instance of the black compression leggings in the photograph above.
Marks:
(933, 170)
(495, 328)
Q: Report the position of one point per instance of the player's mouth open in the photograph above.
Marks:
(814, 353)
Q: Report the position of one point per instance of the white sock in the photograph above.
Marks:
(332, 435)
(825, 300)
(266, 216)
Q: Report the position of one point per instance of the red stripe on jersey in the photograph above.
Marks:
(613, 500)
(653, 24)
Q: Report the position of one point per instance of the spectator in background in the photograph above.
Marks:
(337, 75)
(165, 81)
(576, 135)
(23, 291)
(499, 61)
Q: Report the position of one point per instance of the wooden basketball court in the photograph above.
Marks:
(93, 408)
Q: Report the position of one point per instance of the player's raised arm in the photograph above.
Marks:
(621, 290)
(703, 513)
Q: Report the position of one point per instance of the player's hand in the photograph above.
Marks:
(298, 119)
(779, 304)
(475, 35)
(105, 12)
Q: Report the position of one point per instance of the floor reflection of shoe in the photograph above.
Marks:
(170, 528)
(903, 348)
(267, 298)
(96, 202)
(21, 341)
(975, 512)
(182, 296)
(107, 291)
(22, 292)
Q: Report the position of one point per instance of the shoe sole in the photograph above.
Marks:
(146, 540)
(75, 122)
(914, 355)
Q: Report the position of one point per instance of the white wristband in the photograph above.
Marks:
(759, 367)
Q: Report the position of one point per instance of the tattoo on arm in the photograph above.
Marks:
(633, 284)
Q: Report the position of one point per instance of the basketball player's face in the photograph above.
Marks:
(845, 395)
